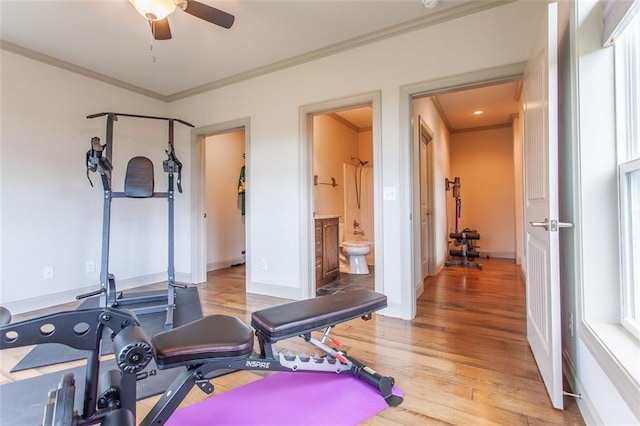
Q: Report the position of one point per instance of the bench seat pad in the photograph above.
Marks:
(212, 338)
(301, 317)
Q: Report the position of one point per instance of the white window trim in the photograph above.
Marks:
(629, 317)
(627, 132)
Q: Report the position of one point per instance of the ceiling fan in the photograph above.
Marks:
(157, 11)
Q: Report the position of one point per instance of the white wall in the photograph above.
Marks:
(225, 222)
(496, 37)
(484, 162)
(50, 214)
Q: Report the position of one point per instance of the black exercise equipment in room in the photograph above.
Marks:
(139, 182)
(465, 239)
(204, 349)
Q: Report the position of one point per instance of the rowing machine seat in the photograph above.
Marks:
(212, 338)
(304, 316)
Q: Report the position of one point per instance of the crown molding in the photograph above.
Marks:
(67, 66)
(464, 9)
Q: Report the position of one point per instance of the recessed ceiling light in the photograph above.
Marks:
(430, 4)
(478, 112)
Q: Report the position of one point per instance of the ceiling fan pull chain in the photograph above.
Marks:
(153, 37)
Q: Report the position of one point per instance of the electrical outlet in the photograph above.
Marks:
(47, 273)
(264, 264)
(89, 266)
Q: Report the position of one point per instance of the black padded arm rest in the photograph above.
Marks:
(304, 316)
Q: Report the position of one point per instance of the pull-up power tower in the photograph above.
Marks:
(138, 184)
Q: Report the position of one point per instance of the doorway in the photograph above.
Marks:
(225, 188)
(429, 103)
(343, 195)
(342, 154)
(232, 139)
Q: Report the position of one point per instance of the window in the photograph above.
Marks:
(627, 63)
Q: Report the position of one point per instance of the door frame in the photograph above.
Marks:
(426, 136)
(409, 152)
(306, 114)
(198, 194)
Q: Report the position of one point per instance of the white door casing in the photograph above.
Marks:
(541, 208)
(424, 212)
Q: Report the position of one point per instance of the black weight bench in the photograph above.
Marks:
(220, 344)
(206, 348)
(297, 318)
(221, 337)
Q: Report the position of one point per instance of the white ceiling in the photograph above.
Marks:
(108, 39)
(498, 104)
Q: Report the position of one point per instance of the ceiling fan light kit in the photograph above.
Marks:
(157, 11)
(154, 10)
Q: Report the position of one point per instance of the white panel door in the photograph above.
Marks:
(541, 208)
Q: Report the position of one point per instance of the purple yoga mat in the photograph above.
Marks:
(288, 399)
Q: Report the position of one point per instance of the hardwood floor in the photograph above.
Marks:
(463, 360)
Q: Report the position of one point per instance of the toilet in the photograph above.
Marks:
(353, 258)
(356, 252)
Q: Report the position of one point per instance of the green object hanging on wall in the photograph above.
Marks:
(241, 189)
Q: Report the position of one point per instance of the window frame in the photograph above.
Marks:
(627, 112)
(630, 288)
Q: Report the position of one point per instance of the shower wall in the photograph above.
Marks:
(358, 204)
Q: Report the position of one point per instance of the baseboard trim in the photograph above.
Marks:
(419, 289)
(499, 254)
(221, 264)
(291, 293)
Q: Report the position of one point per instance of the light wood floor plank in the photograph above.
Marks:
(464, 359)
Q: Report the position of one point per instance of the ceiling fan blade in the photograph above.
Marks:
(160, 29)
(209, 14)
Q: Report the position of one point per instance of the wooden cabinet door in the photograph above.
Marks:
(331, 263)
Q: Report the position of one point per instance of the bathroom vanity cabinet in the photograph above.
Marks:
(327, 250)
